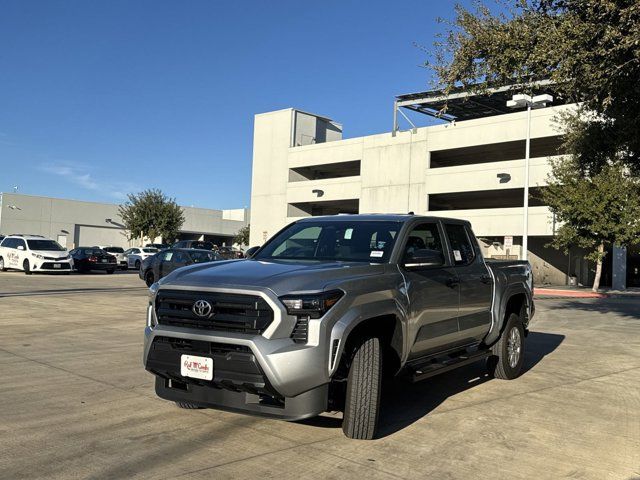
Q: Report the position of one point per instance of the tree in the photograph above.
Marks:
(590, 49)
(151, 214)
(242, 237)
(595, 212)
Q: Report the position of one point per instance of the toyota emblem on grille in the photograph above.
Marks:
(201, 308)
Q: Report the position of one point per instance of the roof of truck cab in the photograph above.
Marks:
(379, 217)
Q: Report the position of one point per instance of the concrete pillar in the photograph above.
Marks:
(619, 268)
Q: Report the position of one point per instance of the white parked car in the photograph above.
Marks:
(117, 252)
(33, 253)
(136, 255)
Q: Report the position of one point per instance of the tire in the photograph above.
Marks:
(188, 406)
(362, 403)
(137, 264)
(2, 267)
(111, 270)
(149, 278)
(508, 352)
(26, 267)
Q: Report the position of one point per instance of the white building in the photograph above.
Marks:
(471, 168)
(73, 223)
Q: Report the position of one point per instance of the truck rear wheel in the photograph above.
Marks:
(362, 403)
(508, 352)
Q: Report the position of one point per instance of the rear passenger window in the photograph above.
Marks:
(460, 242)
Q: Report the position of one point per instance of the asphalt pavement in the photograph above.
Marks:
(75, 402)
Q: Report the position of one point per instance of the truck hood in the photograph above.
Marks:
(282, 277)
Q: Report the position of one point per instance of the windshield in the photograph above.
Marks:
(49, 245)
(359, 241)
(92, 251)
(149, 250)
(201, 257)
(114, 249)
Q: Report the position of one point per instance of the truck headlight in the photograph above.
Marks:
(312, 306)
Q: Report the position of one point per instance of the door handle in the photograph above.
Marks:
(453, 282)
(486, 278)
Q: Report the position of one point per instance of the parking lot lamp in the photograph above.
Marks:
(519, 101)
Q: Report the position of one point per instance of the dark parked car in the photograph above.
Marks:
(163, 263)
(198, 244)
(86, 259)
(159, 246)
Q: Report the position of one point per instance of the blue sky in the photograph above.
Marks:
(102, 98)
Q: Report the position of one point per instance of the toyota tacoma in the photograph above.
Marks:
(319, 314)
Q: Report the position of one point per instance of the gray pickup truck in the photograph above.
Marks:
(319, 314)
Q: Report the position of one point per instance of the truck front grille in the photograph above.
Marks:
(230, 312)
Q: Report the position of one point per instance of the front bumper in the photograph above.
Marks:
(275, 378)
(267, 374)
(52, 266)
(305, 405)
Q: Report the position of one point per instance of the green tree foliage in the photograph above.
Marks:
(151, 214)
(242, 237)
(594, 212)
(590, 49)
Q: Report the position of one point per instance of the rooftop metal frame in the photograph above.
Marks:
(461, 104)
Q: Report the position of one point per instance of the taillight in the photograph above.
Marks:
(92, 259)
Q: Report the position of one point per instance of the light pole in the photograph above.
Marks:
(519, 101)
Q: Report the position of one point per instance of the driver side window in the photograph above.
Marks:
(425, 236)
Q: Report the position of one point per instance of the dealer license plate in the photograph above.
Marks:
(57, 265)
(196, 367)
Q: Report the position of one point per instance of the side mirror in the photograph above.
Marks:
(251, 251)
(424, 258)
(20, 247)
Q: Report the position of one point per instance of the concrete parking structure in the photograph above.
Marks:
(77, 403)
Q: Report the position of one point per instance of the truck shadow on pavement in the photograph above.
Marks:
(404, 403)
(626, 306)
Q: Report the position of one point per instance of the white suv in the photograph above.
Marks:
(33, 253)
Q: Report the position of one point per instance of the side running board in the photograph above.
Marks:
(438, 366)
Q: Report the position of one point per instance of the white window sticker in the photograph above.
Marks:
(377, 253)
(347, 233)
(457, 255)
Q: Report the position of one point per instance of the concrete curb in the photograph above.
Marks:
(559, 293)
(542, 293)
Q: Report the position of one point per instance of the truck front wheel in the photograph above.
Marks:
(508, 352)
(187, 405)
(362, 403)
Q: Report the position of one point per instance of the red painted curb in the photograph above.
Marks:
(566, 293)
